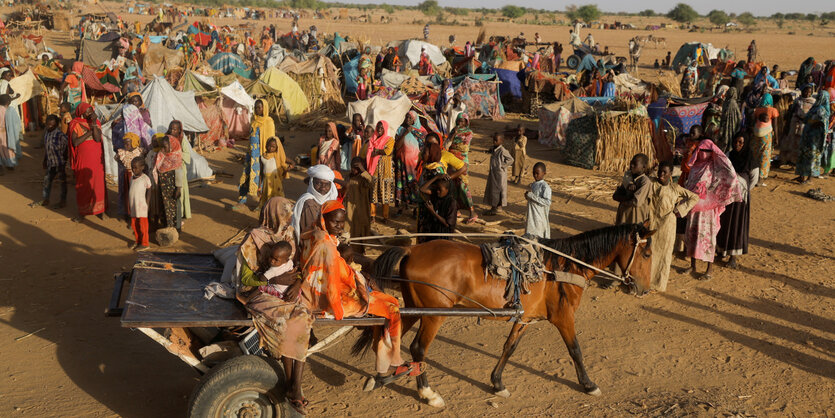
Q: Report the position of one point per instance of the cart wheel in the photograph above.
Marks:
(245, 386)
(573, 62)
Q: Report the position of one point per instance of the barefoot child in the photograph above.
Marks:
(274, 166)
(358, 200)
(440, 208)
(138, 196)
(632, 193)
(539, 204)
(54, 161)
(495, 194)
(667, 201)
(520, 154)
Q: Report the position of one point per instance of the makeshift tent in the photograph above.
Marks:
(94, 86)
(200, 84)
(293, 98)
(319, 80)
(95, 53)
(257, 89)
(164, 104)
(511, 82)
(227, 62)
(680, 118)
(541, 88)
(393, 79)
(581, 137)
(237, 92)
(275, 56)
(159, 59)
(687, 52)
(213, 115)
(481, 95)
(411, 50)
(627, 83)
(350, 72)
(378, 108)
(27, 86)
(555, 117)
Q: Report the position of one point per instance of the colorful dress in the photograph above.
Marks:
(459, 145)
(763, 135)
(790, 143)
(333, 286)
(88, 166)
(713, 178)
(165, 175)
(328, 153)
(405, 164)
(284, 327)
(262, 129)
(814, 136)
(381, 168)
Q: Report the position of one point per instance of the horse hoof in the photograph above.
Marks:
(594, 392)
(370, 384)
(504, 393)
(432, 397)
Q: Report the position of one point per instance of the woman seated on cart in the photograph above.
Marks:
(335, 287)
(327, 284)
(283, 325)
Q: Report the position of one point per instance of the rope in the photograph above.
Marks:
(493, 235)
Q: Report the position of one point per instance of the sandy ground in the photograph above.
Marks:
(758, 340)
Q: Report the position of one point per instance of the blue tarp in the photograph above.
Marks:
(157, 39)
(227, 63)
(597, 101)
(349, 71)
(511, 82)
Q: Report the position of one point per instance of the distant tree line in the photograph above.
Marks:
(682, 12)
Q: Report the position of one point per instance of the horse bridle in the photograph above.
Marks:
(625, 277)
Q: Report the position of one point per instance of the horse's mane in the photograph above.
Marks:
(591, 246)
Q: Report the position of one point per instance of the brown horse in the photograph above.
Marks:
(458, 267)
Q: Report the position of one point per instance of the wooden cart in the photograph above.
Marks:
(165, 301)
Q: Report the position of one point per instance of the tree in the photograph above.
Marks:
(747, 19)
(683, 13)
(429, 7)
(387, 8)
(647, 13)
(718, 17)
(811, 17)
(587, 13)
(512, 12)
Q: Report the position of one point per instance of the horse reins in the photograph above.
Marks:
(625, 278)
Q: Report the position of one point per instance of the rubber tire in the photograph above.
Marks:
(572, 62)
(256, 373)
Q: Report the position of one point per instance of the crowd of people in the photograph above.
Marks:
(295, 264)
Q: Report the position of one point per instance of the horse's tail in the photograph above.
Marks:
(363, 343)
(383, 269)
(385, 264)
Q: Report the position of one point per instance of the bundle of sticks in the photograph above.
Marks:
(620, 138)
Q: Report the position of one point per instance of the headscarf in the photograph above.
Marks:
(466, 129)
(276, 226)
(412, 143)
(821, 110)
(328, 207)
(81, 109)
(767, 100)
(321, 172)
(375, 143)
(804, 71)
(136, 93)
(172, 160)
(132, 139)
(135, 123)
(730, 121)
(337, 41)
(264, 124)
(713, 178)
(326, 145)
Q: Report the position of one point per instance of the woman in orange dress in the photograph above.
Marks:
(335, 287)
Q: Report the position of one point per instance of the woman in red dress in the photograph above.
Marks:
(86, 153)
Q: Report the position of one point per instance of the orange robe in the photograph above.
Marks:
(333, 286)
